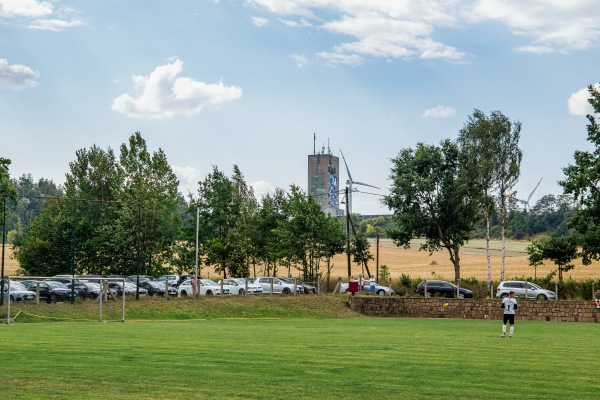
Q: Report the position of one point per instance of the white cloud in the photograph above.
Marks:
(299, 59)
(408, 29)
(262, 188)
(578, 102)
(39, 15)
(54, 24)
(25, 8)
(260, 22)
(188, 179)
(16, 76)
(440, 112)
(552, 25)
(164, 94)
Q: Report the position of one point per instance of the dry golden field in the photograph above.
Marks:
(420, 264)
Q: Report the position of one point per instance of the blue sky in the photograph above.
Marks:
(249, 82)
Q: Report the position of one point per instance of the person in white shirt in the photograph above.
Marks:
(510, 307)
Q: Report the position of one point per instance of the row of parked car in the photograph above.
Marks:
(522, 289)
(66, 287)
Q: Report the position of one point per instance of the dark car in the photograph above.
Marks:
(155, 288)
(443, 288)
(51, 291)
(308, 289)
(86, 290)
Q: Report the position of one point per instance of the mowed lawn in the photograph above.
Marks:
(337, 358)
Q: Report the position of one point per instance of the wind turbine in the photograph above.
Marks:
(351, 182)
(526, 202)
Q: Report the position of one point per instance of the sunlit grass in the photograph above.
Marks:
(283, 357)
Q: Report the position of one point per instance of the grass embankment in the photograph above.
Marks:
(323, 358)
(187, 308)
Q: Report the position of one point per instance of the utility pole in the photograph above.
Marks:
(348, 234)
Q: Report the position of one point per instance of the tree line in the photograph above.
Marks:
(123, 214)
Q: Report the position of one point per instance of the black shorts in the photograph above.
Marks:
(510, 318)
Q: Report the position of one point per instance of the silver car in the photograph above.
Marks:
(524, 289)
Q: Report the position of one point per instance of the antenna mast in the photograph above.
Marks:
(314, 143)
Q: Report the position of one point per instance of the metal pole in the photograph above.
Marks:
(123, 299)
(377, 261)
(196, 291)
(72, 263)
(137, 289)
(3, 243)
(348, 234)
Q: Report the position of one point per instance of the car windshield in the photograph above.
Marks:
(208, 282)
(17, 286)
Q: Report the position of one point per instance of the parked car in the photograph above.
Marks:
(86, 290)
(143, 278)
(307, 289)
(237, 286)
(51, 291)
(156, 288)
(129, 288)
(366, 288)
(172, 279)
(522, 289)
(279, 286)
(444, 289)
(206, 287)
(18, 292)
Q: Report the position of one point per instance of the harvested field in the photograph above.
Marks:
(420, 264)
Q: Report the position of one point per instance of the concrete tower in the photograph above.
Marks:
(323, 180)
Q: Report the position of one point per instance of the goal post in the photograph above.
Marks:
(104, 290)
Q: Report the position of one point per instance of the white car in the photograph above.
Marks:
(207, 287)
(18, 292)
(366, 289)
(237, 286)
(279, 286)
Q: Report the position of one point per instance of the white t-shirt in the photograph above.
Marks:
(509, 305)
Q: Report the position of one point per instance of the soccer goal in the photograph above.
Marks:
(53, 289)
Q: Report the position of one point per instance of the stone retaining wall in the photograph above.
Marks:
(562, 310)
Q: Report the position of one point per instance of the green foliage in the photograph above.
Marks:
(561, 250)
(384, 273)
(581, 181)
(432, 198)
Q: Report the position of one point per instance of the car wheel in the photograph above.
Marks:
(242, 292)
(183, 293)
(12, 298)
(503, 295)
(286, 290)
(209, 293)
(381, 292)
(461, 295)
(428, 294)
(52, 298)
(542, 297)
(346, 291)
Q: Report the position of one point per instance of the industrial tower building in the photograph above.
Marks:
(323, 180)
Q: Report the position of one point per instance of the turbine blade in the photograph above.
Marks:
(534, 189)
(365, 184)
(347, 169)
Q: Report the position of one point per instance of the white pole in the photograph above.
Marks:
(8, 311)
(101, 296)
(123, 306)
(196, 263)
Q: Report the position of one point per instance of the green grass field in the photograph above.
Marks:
(271, 355)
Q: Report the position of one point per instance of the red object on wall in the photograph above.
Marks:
(353, 287)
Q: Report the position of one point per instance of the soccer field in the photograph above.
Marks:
(358, 358)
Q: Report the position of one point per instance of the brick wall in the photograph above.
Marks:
(562, 310)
